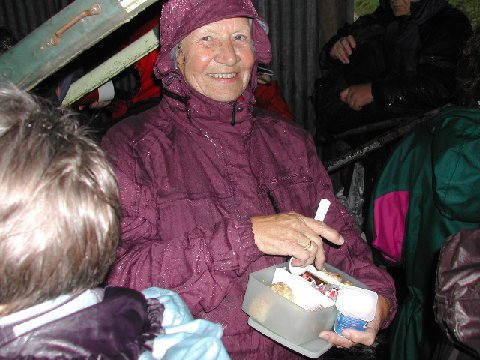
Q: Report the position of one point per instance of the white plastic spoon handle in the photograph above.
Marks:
(320, 216)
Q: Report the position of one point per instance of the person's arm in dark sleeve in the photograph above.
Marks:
(433, 83)
(356, 29)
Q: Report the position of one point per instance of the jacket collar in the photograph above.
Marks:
(206, 114)
(124, 317)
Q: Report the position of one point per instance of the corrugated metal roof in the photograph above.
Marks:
(23, 16)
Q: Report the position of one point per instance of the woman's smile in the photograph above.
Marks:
(223, 76)
(217, 59)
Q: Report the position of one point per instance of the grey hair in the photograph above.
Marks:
(174, 55)
(60, 213)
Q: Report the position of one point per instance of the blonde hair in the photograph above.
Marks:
(59, 213)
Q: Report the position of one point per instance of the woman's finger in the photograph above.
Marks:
(336, 339)
(306, 248)
(366, 337)
(320, 257)
(294, 235)
(325, 231)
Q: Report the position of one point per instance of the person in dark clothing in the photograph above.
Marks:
(59, 230)
(399, 60)
(427, 192)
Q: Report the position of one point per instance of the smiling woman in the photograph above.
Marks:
(213, 191)
(217, 59)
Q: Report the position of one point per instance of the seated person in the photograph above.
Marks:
(59, 230)
(400, 60)
(427, 192)
(212, 191)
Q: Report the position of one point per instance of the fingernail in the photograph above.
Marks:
(342, 240)
(346, 334)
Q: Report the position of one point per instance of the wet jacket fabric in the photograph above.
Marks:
(111, 324)
(457, 295)
(410, 61)
(427, 192)
(126, 320)
(193, 171)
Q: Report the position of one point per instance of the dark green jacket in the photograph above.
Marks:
(430, 189)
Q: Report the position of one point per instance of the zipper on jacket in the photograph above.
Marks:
(236, 108)
(234, 113)
(274, 202)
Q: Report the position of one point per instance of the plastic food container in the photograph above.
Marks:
(284, 321)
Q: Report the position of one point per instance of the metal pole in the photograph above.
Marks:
(378, 142)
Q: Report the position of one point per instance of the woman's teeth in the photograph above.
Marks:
(223, 76)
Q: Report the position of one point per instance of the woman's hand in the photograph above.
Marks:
(99, 104)
(357, 96)
(343, 48)
(294, 235)
(353, 337)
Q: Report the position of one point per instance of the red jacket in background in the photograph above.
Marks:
(269, 97)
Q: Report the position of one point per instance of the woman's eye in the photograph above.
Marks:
(240, 37)
(207, 38)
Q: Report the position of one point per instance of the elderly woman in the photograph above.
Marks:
(209, 193)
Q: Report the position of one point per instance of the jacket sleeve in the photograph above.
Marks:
(203, 259)
(455, 165)
(184, 337)
(457, 290)
(361, 30)
(433, 83)
(354, 256)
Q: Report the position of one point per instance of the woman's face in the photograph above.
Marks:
(401, 7)
(217, 59)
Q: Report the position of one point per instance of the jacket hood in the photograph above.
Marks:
(455, 149)
(421, 10)
(180, 17)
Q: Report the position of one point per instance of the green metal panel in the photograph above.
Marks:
(111, 67)
(67, 34)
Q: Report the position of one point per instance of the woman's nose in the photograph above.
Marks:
(226, 53)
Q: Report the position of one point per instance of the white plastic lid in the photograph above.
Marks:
(357, 302)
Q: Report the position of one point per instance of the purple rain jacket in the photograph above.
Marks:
(193, 171)
(121, 326)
